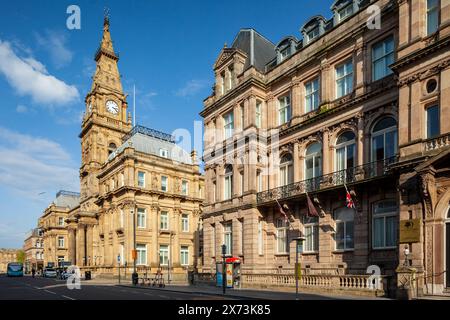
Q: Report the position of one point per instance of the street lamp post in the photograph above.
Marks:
(298, 249)
(224, 272)
(135, 275)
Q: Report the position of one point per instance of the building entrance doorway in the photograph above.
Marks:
(447, 250)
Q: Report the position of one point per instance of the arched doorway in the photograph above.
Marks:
(447, 249)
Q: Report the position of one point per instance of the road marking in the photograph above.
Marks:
(37, 288)
(50, 291)
(67, 297)
(164, 297)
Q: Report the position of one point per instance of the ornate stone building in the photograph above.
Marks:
(7, 256)
(344, 107)
(132, 180)
(34, 250)
(423, 68)
(53, 225)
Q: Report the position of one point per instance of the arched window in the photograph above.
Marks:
(344, 218)
(313, 160)
(286, 170)
(345, 151)
(384, 139)
(111, 148)
(228, 185)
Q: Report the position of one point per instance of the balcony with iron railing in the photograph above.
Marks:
(350, 176)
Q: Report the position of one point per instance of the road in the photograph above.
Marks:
(28, 288)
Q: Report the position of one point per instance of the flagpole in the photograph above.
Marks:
(134, 105)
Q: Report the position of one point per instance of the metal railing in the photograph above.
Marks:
(348, 176)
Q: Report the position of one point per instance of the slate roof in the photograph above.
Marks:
(258, 49)
(150, 141)
(66, 199)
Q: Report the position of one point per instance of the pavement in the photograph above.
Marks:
(28, 288)
(252, 294)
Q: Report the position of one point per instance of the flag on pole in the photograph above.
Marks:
(282, 212)
(348, 199)
(311, 209)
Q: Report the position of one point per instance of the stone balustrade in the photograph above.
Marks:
(437, 143)
(340, 282)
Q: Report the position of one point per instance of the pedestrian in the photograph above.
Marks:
(33, 272)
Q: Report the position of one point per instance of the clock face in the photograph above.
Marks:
(112, 107)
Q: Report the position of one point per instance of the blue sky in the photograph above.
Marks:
(167, 49)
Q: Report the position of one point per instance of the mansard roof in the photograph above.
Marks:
(67, 199)
(259, 49)
(150, 141)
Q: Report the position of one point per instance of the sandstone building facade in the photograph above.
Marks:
(53, 225)
(349, 106)
(138, 189)
(34, 250)
(7, 256)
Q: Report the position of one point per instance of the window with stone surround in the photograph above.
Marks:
(228, 183)
(141, 258)
(163, 255)
(185, 222)
(184, 255)
(312, 95)
(344, 219)
(311, 232)
(141, 218)
(284, 109)
(228, 237)
(164, 183)
(141, 179)
(164, 220)
(282, 240)
(60, 241)
(286, 170)
(382, 57)
(228, 126)
(344, 78)
(432, 16)
(433, 121)
(384, 224)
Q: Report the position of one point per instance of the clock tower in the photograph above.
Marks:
(105, 122)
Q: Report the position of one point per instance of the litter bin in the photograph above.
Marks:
(87, 275)
(135, 278)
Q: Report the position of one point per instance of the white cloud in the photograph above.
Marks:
(55, 44)
(29, 77)
(21, 109)
(192, 87)
(31, 165)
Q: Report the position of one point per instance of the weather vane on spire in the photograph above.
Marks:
(106, 14)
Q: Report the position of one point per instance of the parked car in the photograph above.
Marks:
(49, 273)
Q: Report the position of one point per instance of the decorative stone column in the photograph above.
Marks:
(325, 152)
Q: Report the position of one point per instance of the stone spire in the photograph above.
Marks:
(107, 72)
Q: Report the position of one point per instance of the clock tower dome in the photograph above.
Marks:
(105, 121)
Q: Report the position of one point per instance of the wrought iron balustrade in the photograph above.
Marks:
(337, 178)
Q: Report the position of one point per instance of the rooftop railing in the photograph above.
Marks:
(338, 178)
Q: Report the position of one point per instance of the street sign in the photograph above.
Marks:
(118, 258)
(134, 254)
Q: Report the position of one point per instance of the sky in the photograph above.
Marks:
(167, 50)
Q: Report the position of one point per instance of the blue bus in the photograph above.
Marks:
(15, 269)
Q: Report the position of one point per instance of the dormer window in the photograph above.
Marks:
(284, 53)
(343, 9)
(313, 29)
(345, 12)
(314, 33)
(163, 153)
(285, 48)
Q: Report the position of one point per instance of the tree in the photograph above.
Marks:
(20, 256)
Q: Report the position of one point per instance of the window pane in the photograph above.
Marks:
(391, 144)
(378, 148)
(350, 156)
(349, 235)
(391, 231)
(340, 159)
(433, 122)
(378, 232)
(339, 235)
